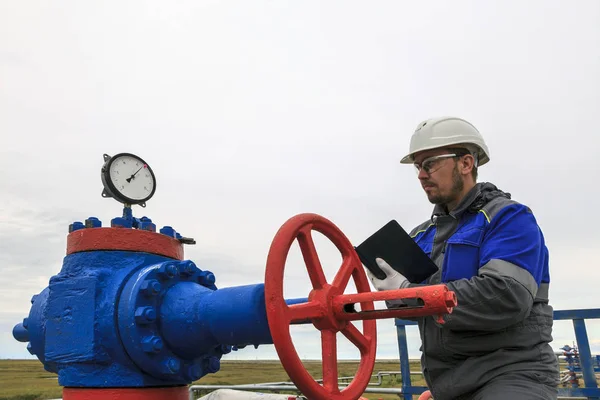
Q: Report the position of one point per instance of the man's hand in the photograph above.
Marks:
(393, 280)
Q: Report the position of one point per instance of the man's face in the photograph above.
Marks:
(443, 183)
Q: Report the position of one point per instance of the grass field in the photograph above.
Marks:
(27, 379)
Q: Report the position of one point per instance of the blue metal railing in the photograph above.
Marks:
(408, 389)
(590, 390)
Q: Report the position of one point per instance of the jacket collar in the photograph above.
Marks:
(470, 198)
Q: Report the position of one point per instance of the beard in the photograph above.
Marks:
(456, 189)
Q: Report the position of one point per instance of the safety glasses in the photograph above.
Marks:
(432, 164)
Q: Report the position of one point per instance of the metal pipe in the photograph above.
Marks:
(295, 389)
(274, 386)
(196, 319)
(280, 388)
(379, 376)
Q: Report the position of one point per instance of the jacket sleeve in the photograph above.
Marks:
(512, 259)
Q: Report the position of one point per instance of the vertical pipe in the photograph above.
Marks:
(585, 355)
(404, 360)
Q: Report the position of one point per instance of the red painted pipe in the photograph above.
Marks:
(167, 393)
(437, 300)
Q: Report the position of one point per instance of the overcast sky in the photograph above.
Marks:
(252, 112)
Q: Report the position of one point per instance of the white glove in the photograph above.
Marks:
(393, 280)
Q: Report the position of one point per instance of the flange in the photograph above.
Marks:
(140, 326)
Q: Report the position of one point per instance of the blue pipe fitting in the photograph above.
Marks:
(179, 282)
(72, 328)
(20, 332)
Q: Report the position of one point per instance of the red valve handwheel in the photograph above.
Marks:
(319, 309)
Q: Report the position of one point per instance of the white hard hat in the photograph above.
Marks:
(444, 132)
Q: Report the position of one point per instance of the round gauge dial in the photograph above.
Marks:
(128, 179)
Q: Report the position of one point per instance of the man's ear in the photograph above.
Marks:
(468, 163)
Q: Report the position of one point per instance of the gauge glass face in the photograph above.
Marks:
(131, 178)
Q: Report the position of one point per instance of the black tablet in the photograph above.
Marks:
(399, 250)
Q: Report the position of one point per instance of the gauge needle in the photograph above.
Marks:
(134, 174)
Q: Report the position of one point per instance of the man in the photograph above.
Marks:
(491, 253)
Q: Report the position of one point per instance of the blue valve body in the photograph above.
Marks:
(130, 319)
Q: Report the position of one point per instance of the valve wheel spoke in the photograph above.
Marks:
(352, 333)
(343, 275)
(330, 365)
(311, 258)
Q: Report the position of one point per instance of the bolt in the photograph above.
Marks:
(145, 315)
(25, 323)
(171, 366)
(194, 372)
(206, 278)
(177, 235)
(93, 222)
(152, 344)
(33, 298)
(30, 349)
(75, 226)
(120, 222)
(187, 268)
(147, 226)
(167, 230)
(225, 349)
(214, 365)
(168, 270)
(151, 288)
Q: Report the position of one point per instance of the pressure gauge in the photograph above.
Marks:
(128, 179)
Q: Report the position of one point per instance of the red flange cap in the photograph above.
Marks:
(124, 239)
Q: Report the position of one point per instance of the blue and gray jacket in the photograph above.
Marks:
(491, 252)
